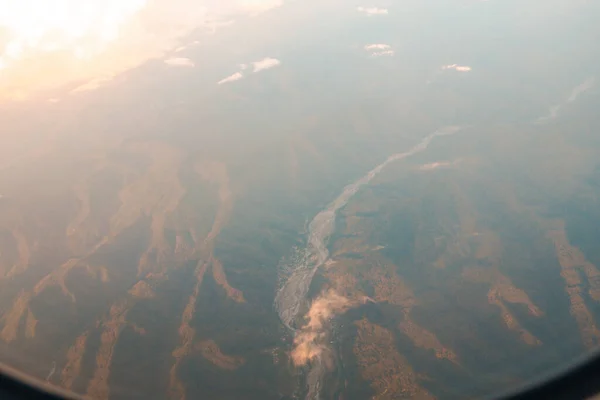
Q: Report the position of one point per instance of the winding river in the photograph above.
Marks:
(292, 294)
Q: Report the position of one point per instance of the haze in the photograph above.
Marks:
(310, 199)
(47, 43)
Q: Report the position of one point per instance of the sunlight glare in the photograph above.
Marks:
(43, 39)
(46, 45)
(83, 27)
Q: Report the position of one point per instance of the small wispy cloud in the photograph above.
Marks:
(439, 164)
(257, 66)
(231, 78)
(435, 165)
(256, 7)
(379, 49)
(377, 46)
(580, 89)
(456, 67)
(577, 91)
(373, 10)
(265, 63)
(383, 53)
(92, 84)
(186, 46)
(179, 62)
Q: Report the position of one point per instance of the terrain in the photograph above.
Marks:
(479, 281)
(440, 204)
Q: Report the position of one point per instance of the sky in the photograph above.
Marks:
(48, 43)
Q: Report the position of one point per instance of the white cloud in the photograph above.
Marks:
(179, 62)
(435, 165)
(378, 46)
(383, 53)
(456, 67)
(584, 87)
(231, 78)
(186, 46)
(245, 7)
(255, 7)
(373, 10)
(265, 63)
(553, 112)
(261, 65)
(93, 84)
(379, 49)
(440, 164)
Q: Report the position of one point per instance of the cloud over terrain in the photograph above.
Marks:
(257, 66)
(370, 11)
(179, 62)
